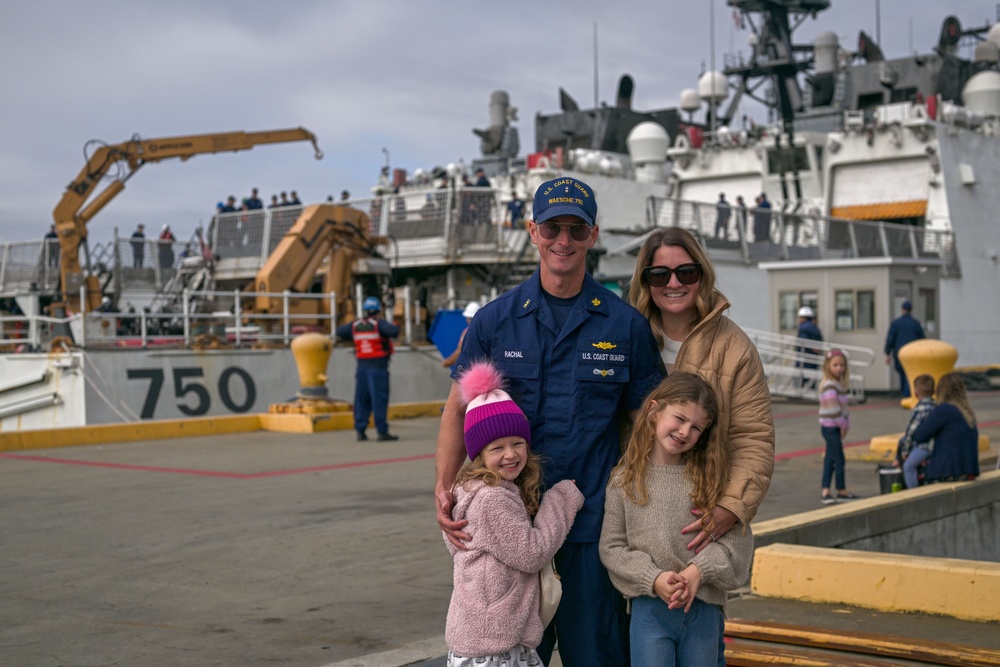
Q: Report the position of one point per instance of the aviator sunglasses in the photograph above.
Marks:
(578, 231)
(658, 276)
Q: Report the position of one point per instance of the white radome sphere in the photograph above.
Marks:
(713, 87)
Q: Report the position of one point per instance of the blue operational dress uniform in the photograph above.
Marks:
(371, 378)
(904, 329)
(573, 383)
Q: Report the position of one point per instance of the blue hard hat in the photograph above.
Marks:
(371, 304)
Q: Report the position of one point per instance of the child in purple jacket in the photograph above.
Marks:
(494, 617)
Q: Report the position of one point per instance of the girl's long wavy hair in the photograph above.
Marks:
(951, 389)
(707, 463)
(528, 483)
(638, 291)
(828, 361)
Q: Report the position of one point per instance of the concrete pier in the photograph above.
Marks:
(263, 548)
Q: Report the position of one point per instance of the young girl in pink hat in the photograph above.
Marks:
(494, 617)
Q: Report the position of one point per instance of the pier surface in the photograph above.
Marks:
(283, 549)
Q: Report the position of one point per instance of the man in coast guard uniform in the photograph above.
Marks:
(372, 348)
(903, 330)
(575, 357)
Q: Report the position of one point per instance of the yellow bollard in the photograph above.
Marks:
(312, 355)
(933, 357)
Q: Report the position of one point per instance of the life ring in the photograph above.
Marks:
(543, 162)
(682, 141)
(61, 343)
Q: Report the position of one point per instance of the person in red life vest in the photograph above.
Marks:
(372, 337)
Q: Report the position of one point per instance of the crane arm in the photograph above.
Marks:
(71, 217)
(333, 233)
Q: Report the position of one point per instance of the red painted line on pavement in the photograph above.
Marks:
(212, 473)
(340, 466)
(122, 466)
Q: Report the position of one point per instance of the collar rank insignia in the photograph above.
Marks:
(596, 302)
(604, 345)
(527, 302)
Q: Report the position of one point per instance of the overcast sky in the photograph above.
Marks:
(408, 76)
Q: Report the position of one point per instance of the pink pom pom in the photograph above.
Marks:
(481, 378)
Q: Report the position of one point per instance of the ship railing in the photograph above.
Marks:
(793, 366)
(26, 265)
(776, 234)
(424, 225)
(34, 265)
(238, 326)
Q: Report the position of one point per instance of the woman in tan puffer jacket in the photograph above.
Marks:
(674, 287)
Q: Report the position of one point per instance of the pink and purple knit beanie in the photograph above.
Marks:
(491, 413)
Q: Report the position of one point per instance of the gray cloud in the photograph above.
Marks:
(414, 77)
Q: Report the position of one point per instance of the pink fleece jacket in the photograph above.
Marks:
(494, 605)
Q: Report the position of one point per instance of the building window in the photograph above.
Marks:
(788, 308)
(855, 310)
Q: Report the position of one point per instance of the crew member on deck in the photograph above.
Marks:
(372, 338)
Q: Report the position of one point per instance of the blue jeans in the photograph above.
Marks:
(904, 385)
(590, 625)
(833, 460)
(917, 456)
(371, 396)
(665, 637)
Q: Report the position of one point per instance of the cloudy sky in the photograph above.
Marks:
(413, 78)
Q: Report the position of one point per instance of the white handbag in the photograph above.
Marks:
(550, 592)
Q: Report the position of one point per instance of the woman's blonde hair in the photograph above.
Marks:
(528, 483)
(707, 463)
(638, 291)
(951, 389)
(828, 361)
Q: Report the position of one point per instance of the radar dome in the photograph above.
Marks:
(994, 34)
(986, 52)
(982, 93)
(713, 87)
(648, 142)
(825, 46)
(690, 100)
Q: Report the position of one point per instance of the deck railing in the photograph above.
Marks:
(801, 236)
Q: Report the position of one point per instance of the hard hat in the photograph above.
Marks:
(806, 311)
(470, 310)
(371, 305)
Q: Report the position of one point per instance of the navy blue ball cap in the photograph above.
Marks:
(565, 196)
(907, 305)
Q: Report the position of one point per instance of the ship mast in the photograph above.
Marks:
(774, 55)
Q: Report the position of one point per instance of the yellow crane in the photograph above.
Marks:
(73, 211)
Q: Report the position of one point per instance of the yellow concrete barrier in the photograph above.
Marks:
(883, 447)
(963, 589)
(165, 429)
(99, 434)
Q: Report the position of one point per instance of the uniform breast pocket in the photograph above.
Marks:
(599, 389)
(522, 383)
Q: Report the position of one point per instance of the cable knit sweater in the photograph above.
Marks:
(640, 542)
(494, 605)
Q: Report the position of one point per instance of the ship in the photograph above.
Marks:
(878, 171)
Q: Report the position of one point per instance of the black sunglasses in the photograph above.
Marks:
(658, 276)
(578, 231)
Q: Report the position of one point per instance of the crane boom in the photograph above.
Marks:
(73, 211)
